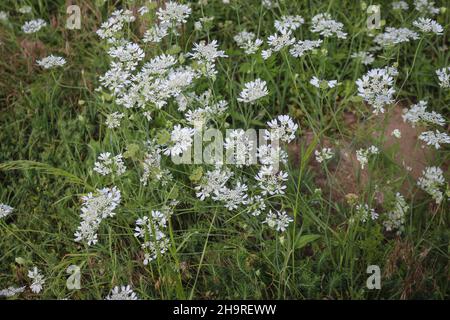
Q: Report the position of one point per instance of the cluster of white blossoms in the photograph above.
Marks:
(248, 42)
(362, 155)
(396, 133)
(323, 155)
(51, 62)
(152, 165)
(300, 47)
(109, 164)
(431, 182)
(444, 77)
(254, 90)
(115, 24)
(281, 128)
(151, 231)
(278, 220)
(418, 114)
(33, 26)
(363, 213)
(113, 119)
(5, 210)
(393, 36)
(180, 140)
(288, 23)
(426, 7)
(25, 9)
(122, 293)
(434, 138)
(400, 5)
(318, 83)
(37, 278)
(11, 291)
(427, 25)
(395, 219)
(240, 148)
(376, 88)
(206, 55)
(96, 208)
(327, 27)
(365, 57)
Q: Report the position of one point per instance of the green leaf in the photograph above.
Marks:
(302, 241)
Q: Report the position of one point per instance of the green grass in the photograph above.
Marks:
(52, 130)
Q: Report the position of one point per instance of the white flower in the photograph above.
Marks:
(5, 210)
(376, 89)
(280, 41)
(156, 33)
(51, 62)
(434, 138)
(362, 155)
(444, 77)
(327, 27)
(299, 48)
(426, 7)
(400, 5)
(281, 128)
(431, 182)
(396, 217)
(271, 182)
(396, 133)
(11, 291)
(25, 9)
(232, 197)
(270, 155)
(324, 154)
(128, 54)
(33, 26)
(212, 182)
(395, 36)
(96, 208)
(256, 205)
(114, 24)
(152, 164)
(122, 293)
(316, 82)
(288, 23)
(247, 41)
(418, 113)
(38, 280)
(269, 4)
(240, 147)
(278, 220)
(108, 164)
(365, 57)
(113, 120)
(143, 10)
(363, 212)
(181, 140)
(427, 25)
(253, 91)
(173, 13)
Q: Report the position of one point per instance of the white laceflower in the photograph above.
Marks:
(152, 165)
(95, 208)
(256, 205)
(289, 23)
(212, 182)
(279, 41)
(37, 278)
(253, 91)
(418, 113)
(5, 210)
(33, 26)
(319, 83)
(51, 62)
(395, 218)
(323, 155)
(427, 25)
(392, 36)
(143, 10)
(240, 148)
(270, 181)
(362, 155)
(364, 212)
(180, 140)
(156, 33)
(376, 87)
(232, 197)
(444, 77)
(396, 133)
(25, 9)
(299, 48)
(115, 23)
(11, 291)
(3, 16)
(173, 14)
(206, 55)
(434, 138)
(365, 57)
(431, 181)
(278, 220)
(109, 164)
(122, 293)
(127, 54)
(269, 4)
(400, 5)
(426, 7)
(269, 155)
(113, 119)
(151, 231)
(248, 41)
(323, 24)
(281, 128)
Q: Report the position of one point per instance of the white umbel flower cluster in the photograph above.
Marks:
(96, 208)
(395, 219)
(434, 138)
(281, 128)
(426, 25)
(122, 293)
(248, 42)
(11, 291)
(365, 57)
(113, 119)
(278, 220)
(180, 140)
(109, 164)
(364, 212)
(431, 182)
(288, 23)
(323, 155)
(254, 90)
(327, 27)
(319, 83)
(37, 278)
(5, 210)
(426, 7)
(300, 47)
(393, 36)
(115, 24)
(418, 114)
(51, 62)
(362, 155)
(400, 5)
(444, 77)
(33, 26)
